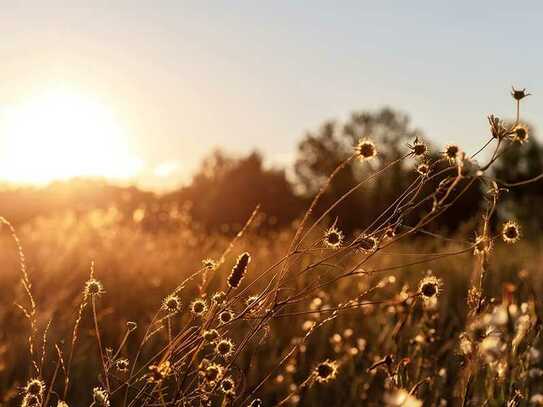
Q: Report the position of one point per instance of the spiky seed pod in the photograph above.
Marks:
(35, 387)
(423, 169)
(171, 304)
(30, 400)
(122, 365)
(429, 289)
(198, 307)
(418, 148)
(326, 371)
(510, 232)
(93, 288)
(451, 152)
(239, 270)
(226, 316)
(333, 238)
(228, 386)
(210, 335)
(159, 372)
(519, 94)
(365, 149)
(224, 347)
(100, 397)
(520, 133)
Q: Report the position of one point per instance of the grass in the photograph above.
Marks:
(99, 312)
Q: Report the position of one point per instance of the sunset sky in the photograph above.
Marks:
(142, 90)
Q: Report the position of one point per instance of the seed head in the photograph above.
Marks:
(171, 304)
(224, 347)
(93, 288)
(198, 307)
(366, 243)
(210, 335)
(326, 371)
(510, 232)
(239, 270)
(100, 397)
(333, 238)
(451, 152)
(519, 94)
(159, 372)
(418, 148)
(429, 289)
(35, 387)
(209, 264)
(122, 365)
(520, 133)
(365, 150)
(423, 169)
(30, 400)
(218, 297)
(213, 372)
(226, 316)
(228, 386)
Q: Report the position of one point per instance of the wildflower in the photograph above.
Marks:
(224, 347)
(35, 387)
(239, 270)
(326, 371)
(30, 400)
(210, 335)
(198, 307)
(122, 365)
(228, 386)
(333, 238)
(451, 152)
(171, 304)
(519, 94)
(159, 372)
(520, 133)
(365, 150)
(218, 297)
(418, 148)
(213, 372)
(423, 169)
(100, 397)
(366, 243)
(93, 288)
(226, 316)
(510, 232)
(403, 398)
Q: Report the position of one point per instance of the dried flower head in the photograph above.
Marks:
(418, 148)
(228, 386)
(198, 307)
(239, 270)
(497, 129)
(213, 372)
(224, 347)
(520, 133)
(159, 372)
(510, 232)
(209, 264)
(333, 238)
(326, 371)
(226, 316)
(366, 243)
(35, 387)
(430, 288)
(451, 152)
(210, 335)
(93, 288)
(519, 94)
(171, 304)
(423, 169)
(218, 297)
(100, 397)
(365, 149)
(122, 365)
(30, 400)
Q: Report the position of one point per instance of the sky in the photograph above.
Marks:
(164, 82)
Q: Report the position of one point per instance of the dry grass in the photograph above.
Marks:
(108, 314)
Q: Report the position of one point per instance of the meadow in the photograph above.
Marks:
(99, 311)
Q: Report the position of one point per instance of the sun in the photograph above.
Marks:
(60, 134)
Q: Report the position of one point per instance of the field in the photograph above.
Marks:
(100, 311)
